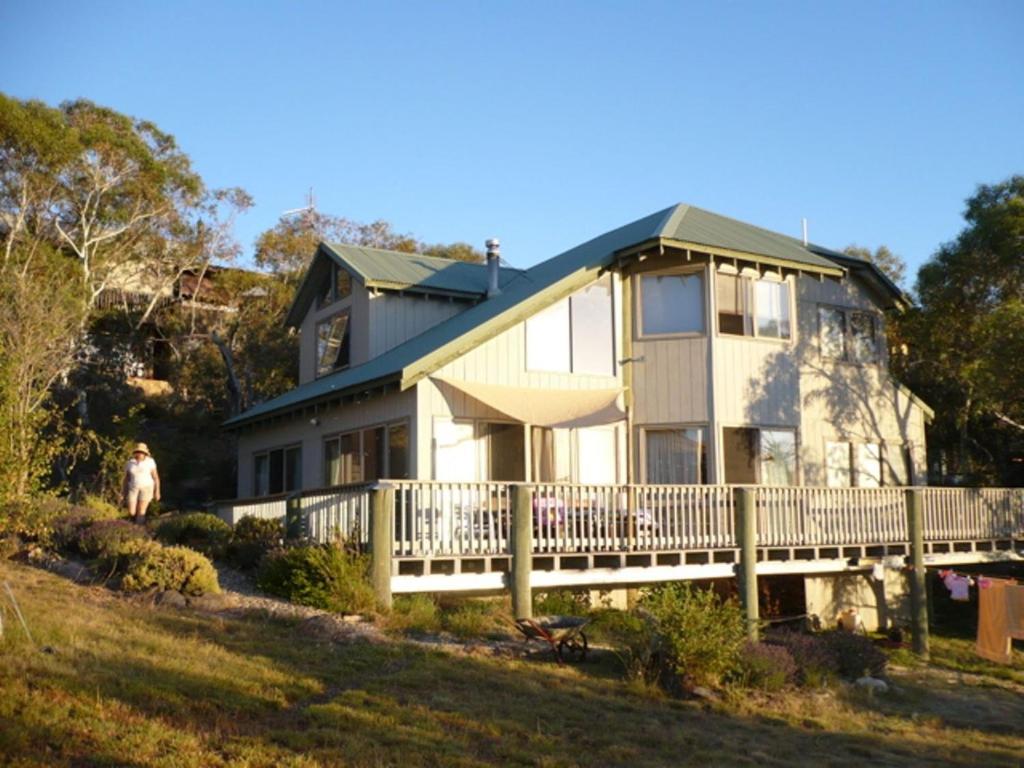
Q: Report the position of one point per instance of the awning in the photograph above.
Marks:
(542, 407)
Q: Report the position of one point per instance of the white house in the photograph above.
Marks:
(682, 348)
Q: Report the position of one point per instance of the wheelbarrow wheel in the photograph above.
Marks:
(573, 649)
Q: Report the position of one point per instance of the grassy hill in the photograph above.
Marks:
(111, 682)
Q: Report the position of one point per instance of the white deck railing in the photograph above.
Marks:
(233, 510)
(441, 519)
(973, 513)
(339, 513)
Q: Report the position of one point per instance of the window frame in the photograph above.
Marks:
(345, 345)
(750, 304)
(266, 453)
(385, 451)
(848, 314)
(703, 469)
(330, 296)
(759, 447)
(571, 364)
(638, 330)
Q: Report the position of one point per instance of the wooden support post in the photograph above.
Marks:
(522, 552)
(382, 515)
(293, 527)
(918, 575)
(746, 533)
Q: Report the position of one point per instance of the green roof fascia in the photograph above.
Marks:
(385, 285)
(903, 300)
(729, 253)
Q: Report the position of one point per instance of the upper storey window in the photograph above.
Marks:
(847, 334)
(753, 307)
(575, 335)
(333, 343)
(671, 304)
(337, 286)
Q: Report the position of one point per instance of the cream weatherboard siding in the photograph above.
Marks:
(294, 430)
(394, 318)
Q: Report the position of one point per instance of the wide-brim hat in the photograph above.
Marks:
(141, 448)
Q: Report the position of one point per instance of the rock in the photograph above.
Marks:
(872, 684)
(707, 694)
(210, 602)
(172, 598)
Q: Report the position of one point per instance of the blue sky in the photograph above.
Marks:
(548, 123)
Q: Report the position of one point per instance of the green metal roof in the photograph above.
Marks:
(395, 271)
(525, 292)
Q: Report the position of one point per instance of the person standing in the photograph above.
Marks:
(141, 483)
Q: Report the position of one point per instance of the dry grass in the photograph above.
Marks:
(124, 685)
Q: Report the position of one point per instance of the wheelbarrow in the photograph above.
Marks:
(563, 633)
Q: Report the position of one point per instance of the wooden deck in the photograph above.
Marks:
(458, 536)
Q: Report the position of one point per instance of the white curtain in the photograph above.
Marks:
(674, 456)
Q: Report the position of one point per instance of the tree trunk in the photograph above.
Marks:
(234, 390)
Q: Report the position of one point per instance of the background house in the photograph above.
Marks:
(684, 347)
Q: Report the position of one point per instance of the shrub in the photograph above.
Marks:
(414, 613)
(562, 602)
(252, 539)
(200, 531)
(31, 520)
(147, 564)
(100, 508)
(634, 639)
(767, 667)
(855, 654)
(321, 576)
(107, 538)
(701, 633)
(816, 664)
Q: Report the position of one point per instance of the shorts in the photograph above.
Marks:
(136, 495)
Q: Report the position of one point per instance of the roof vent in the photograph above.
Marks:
(493, 266)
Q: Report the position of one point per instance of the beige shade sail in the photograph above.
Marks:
(542, 407)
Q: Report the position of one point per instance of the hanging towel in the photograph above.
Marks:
(994, 641)
(958, 586)
(1015, 610)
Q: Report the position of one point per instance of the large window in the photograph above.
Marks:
(367, 455)
(576, 334)
(676, 456)
(277, 471)
(333, 343)
(862, 464)
(753, 307)
(583, 455)
(846, 334)
(759, 456)
(551, 452)
(671, 304)
(337, 285)
(869, 465)
(837, 465)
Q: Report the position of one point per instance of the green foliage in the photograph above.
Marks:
(200, 531)
(474, 618)
(252, 539)
(322, 576)
(634, 638)
(766, 667)
(966, 341)
(31, 520)
(414, 614)
(702, 634)
(100, 508)
(104, 539)
(892, 265)
(855, 654)
(147, 564)
(562, 602)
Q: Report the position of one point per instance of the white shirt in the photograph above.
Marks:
(140, 473)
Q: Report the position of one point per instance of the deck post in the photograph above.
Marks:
(522, 551)
(746, 533)
(293, 517)
(918, 574)
(382, 506)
